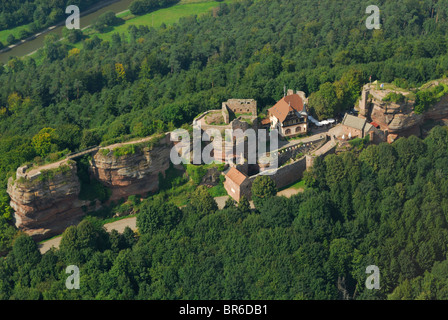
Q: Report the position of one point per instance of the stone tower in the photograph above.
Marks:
(363, 103)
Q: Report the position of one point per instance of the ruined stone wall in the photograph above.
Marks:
(285, 154)
(326, 149)
(237, 106)
(283, 177)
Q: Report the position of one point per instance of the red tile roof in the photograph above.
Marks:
(236, 176)
(376, 125)
(285, 105)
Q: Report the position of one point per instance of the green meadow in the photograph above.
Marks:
(168, 16)
(15, 31)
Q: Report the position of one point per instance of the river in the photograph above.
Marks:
(33, 45)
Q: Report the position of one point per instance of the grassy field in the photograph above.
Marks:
(15, 31)
(168, 16)
(297, 186)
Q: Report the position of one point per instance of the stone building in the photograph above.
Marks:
(354, 127)
(237, 184)
(289, 115)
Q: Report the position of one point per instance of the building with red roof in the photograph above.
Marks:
(289, 115)
(237, 184)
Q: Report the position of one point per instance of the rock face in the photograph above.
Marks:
(398, 119)
(133, 173)
(46, 203)
(439, 110)
(46, 199)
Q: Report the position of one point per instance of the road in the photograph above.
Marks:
(119, 225)
(131, 222)
(33, 43)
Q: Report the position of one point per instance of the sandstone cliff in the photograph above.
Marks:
(439, 110)
(46, 199)
(46, 202)
(398, 118)
(132, 168)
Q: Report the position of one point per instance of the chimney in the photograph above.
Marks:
(290, 92)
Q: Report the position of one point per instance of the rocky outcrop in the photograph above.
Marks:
(398, 119)
(46, 202)
(439, 110)
(46, 199)
(132, 169)
(395, 118)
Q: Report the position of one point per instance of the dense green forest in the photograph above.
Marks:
(145, 6)
(37, 14)
(151, 80)
(386, 206)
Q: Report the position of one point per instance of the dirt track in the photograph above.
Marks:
(131, 222)
(119, 225)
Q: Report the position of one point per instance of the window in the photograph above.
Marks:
(298, 129)
(288, 131)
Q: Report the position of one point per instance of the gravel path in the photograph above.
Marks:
(131, 222)
(119, 225)
(289, 192)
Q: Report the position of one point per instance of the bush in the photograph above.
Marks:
(395, 97)
(74, 35)
(24, 33)
(137, 7)
(158, 215)
(89, 138)
(427, 98)
(116, 129)
(196, 173)
(360, 143)
(263, 188)
(144, 6)
(107, 19)
(11, 39)
(125, 150)
(401, 83)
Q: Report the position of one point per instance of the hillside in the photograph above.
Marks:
(108, 88)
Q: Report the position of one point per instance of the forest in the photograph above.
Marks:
(386, 206)
(74, 95)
